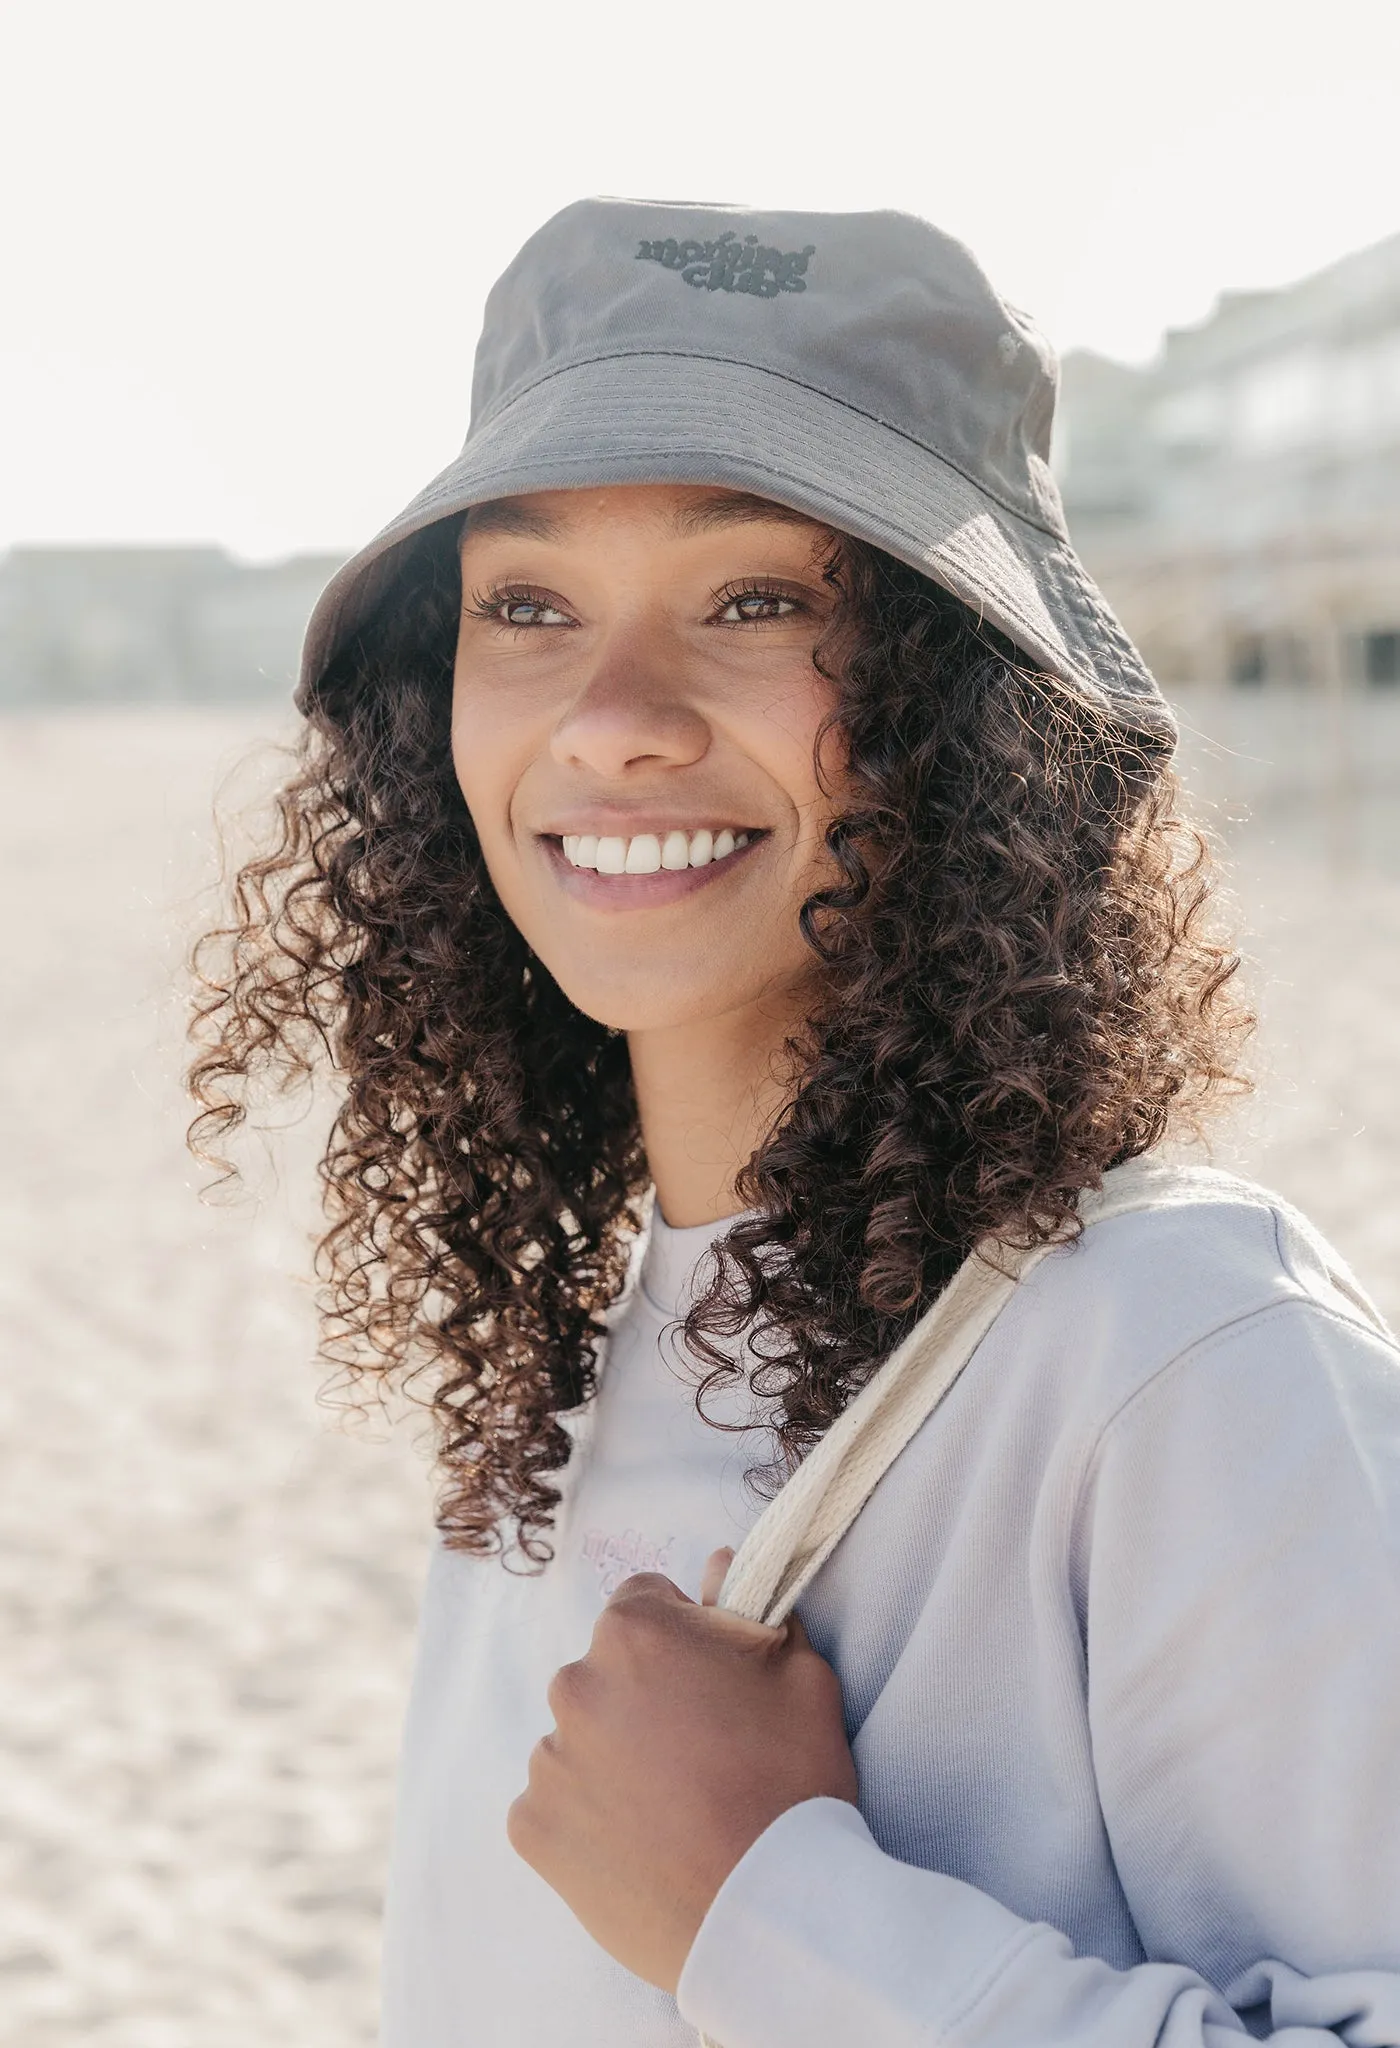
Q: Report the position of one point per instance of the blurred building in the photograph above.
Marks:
(81, 625)
(1239, 498)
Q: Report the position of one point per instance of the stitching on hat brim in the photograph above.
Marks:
(684, 355)
(426, 512)
(918, 551)
(1143, 702)
(996, 574)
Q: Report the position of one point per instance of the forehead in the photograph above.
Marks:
(679, 511)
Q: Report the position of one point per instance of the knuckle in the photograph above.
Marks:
(522, 1826)
(630, 1633)
(567, 1689)
(544, 1763)
(644, 1586)
(610, 1628)
(527, 1817)
(623, 1621)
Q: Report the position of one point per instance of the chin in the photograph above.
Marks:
(661, 999)
(678, 990)
(658, 1012)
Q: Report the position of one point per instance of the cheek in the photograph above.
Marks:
(485, 756)
(492, 752)
(784, 740)
(465, 760)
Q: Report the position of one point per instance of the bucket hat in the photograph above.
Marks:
(857, 367)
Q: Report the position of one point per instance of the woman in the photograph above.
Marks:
(736, 869)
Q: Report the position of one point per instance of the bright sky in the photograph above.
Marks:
(245, 247)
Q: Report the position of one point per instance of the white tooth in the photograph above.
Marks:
(585, 853)
(612, 856)
(643, 854)
(724, 844)
(702, 847)
(570, 845)
(740, 839)
(675, 850)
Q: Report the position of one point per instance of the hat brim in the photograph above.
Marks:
(672, 418)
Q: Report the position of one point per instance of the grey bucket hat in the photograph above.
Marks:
(857, 367)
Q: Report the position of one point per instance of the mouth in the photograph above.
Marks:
(649, 868)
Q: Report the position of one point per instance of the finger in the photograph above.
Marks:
(739, 1629)
(716, 1567)
(798, 1638)
(648, 1585)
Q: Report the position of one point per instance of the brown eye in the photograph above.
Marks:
(751, 606)
(529, 611)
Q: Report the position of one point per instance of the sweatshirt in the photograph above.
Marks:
(1118, 1639)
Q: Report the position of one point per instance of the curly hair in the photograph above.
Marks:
(1019, 987)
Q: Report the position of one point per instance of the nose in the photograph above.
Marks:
(631, 710)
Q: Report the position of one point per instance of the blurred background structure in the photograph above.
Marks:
(150, 625)
(1239, 496)
(245, 259)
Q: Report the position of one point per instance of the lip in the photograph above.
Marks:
(640, 892)
(629, 824)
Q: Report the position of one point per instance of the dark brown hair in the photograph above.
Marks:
(1018, 989)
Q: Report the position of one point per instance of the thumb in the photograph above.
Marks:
(716, 1565)
(798, 1638)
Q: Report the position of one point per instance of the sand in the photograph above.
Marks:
(208, 1587)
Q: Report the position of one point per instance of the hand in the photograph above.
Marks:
(679, 1737)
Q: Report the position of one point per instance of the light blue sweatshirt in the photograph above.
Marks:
(1119, 1643)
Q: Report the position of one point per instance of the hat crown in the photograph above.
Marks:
(857, 367)
(879, 311)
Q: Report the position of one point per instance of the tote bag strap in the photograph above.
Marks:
(801, 1526)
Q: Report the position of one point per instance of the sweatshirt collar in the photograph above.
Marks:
(671, 1257)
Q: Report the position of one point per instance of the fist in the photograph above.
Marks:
(680, 1736)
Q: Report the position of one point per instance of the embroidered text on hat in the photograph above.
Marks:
(729, 265)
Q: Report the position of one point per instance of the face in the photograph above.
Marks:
(635, 713)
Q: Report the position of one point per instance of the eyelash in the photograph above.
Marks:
(486, 604)
(757, 586)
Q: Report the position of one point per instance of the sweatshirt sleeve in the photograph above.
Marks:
(1238, 1571)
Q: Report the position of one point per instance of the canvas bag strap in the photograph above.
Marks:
(801, 1526)
(803, 1523)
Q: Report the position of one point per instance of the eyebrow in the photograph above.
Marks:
(506, 515)
(737, 508)
(729, 508)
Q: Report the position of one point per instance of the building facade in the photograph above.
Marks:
(92, 625)
(1239, 497)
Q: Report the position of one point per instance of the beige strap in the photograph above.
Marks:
(802, 1524)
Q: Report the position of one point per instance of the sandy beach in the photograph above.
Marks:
(209, 1583)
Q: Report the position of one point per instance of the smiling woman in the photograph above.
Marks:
(636, 713)
(894, 1022)
(736, 868)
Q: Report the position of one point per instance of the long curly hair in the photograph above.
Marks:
(1018, 987)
